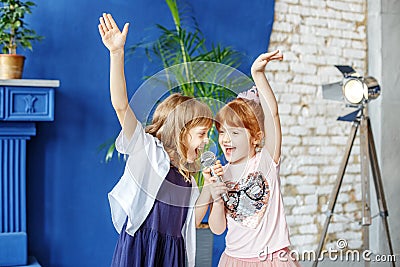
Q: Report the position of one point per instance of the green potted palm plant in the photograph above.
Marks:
(182, 44)
(14, 33)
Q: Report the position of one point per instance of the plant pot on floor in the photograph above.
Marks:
(11, 66)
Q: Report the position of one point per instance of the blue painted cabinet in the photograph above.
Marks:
(22, 103)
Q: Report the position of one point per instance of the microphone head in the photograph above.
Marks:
(207, 159)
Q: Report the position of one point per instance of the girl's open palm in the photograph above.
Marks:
(262, 60)
(111, 36)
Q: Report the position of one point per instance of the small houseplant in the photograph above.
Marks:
(14, 33)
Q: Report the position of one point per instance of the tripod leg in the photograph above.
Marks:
(365, 183)
(383, 212)
(335, 192)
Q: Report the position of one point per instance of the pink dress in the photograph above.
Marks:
(257, 229)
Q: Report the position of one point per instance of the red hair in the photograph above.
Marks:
(242, 113)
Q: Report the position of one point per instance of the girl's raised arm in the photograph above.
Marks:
(272, 125)
(114, 40)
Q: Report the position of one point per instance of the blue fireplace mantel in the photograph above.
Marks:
(22, 103)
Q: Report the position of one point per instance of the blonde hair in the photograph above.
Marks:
(172, 121)
(242, 113)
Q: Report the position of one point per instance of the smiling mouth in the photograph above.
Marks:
(229, 150)
(198, 151)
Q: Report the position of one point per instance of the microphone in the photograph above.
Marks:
(207, 160)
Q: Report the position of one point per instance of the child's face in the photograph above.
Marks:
(196, 140)
(236, 143)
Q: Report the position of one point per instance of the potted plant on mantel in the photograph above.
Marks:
(14, 33)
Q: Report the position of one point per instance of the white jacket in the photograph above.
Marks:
(146, 168)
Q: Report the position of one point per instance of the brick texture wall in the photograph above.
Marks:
(314, 36)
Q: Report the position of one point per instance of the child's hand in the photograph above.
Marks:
(111, 36)
(216, 190)
(215, 187)
(262, 60)
(217, 168)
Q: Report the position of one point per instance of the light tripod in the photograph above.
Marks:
(368, 159)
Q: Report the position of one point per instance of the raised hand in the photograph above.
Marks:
(263, 59)
(114, 40)
(272, 125)
(111, 36)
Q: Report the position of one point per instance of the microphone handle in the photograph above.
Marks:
(219, 178)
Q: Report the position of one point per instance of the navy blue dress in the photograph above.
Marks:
(158, 241)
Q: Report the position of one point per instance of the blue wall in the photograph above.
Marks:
(68, 214)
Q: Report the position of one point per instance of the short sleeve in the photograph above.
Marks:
(267, 159)
(146, 167)
(125, 146)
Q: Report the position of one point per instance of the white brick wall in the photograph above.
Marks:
(314, 35)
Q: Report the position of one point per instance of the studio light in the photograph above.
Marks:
(357, 91)
(354, 91)
(354, 88)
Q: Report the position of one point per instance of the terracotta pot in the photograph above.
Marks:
(11, 66)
